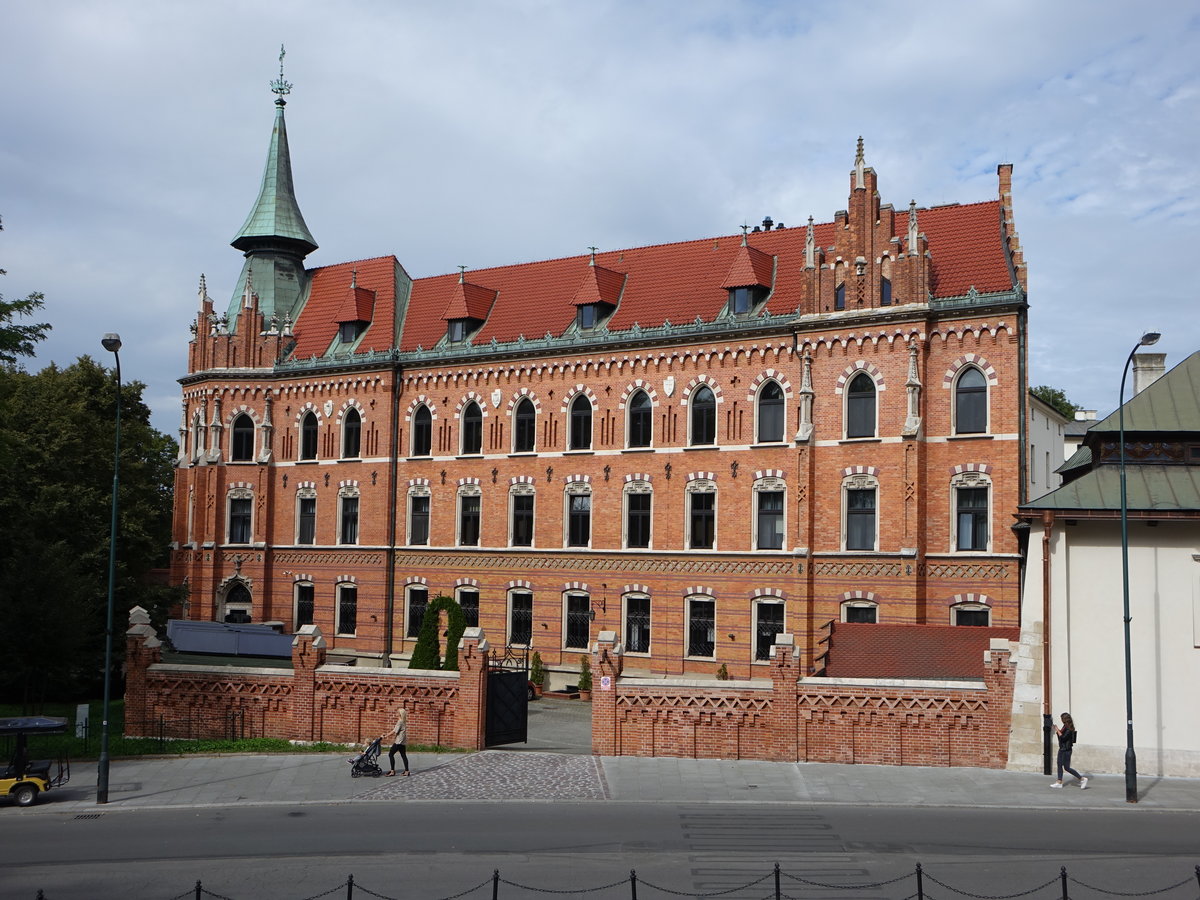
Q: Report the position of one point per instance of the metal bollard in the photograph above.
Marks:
(1063, 876)
(350, 888)
(920, 884)
(633, 884)
(495, 884)
(777, 897)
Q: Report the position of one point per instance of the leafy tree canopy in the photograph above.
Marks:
(1057, 398)
(427, 652)
(56, 453)
(19, 340)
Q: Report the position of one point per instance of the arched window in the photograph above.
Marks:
(640, 420)
(308, 436)
(977, 614)
(581, 424)
(703, 416)
(238, 604)
(472, 429)
(861, 611)
(242, 448)
(970, 402)
(351, 434)
(524, 427)
(770, 413)
(422, 432)
(860, 407)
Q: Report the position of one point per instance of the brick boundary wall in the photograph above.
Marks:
(788, 718)
(312, 701)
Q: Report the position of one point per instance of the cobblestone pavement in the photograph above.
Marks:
(498, 775)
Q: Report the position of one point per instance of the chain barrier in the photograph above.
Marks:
(1040, 887)
(740, 887)
(472, 890)
(525, 887)
(207, 892)
(1101, 890)
(328, 892)
(864, 886)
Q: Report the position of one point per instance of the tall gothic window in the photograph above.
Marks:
(770, 413)
(524, 427)
(860, 407)
(472, 429)
(242, 447)
(581, 424)
(640, 420)
(308, 436)
(970, 402)
(351, 434)
(703, 416)
(422, 432)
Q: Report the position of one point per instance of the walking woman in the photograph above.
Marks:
(1066, 743)
(399, 736)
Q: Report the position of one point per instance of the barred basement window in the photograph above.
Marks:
(520, 621)
(701, 627)
(578, 622)
(468, 599)
(347, 609)
(304, 605)
(768, 622)
(418, 600)
(637, 624)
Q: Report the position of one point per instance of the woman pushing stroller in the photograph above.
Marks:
(399, 736)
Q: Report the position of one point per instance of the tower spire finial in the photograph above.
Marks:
(859, 165)
(280, 86)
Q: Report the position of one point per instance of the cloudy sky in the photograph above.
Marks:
(500, 131)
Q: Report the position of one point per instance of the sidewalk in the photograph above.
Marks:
(498, 775)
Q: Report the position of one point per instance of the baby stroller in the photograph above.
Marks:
(367, 762)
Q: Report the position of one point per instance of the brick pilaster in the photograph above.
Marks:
(470, 726)
(607, 664)
(308, 655)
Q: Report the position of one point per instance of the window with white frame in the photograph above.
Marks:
(768, 622)
(579, 514)
(637, 623)
(860, 523)
(305, 604)
(701, 514)
(702, 417)
(860, 611)
(520, 618)
(417, 600)
(241, 512)
(972, 512)
(347, 608)
(769, 496)
(472, 429)
(351, 434)
(306, 516)
(348, 515)
(770, 413)
(521, 500)
(418, 515)
(308, 436)
(641, 420)
(976, 614)
(970, 401)
(422, 431)
(860, 407)
(577, 613)
(702, 627)
(468, 600)
(638, 514)
(470, 500)
(580, 424)
(524, 427)
(241, 447)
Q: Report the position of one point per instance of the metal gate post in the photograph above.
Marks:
(920, 884)
(632, 884)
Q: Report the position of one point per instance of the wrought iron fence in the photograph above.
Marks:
(772, 885)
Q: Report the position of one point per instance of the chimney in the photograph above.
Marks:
(1147, 369)
(1085, 415)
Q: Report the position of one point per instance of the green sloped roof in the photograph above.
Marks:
(276, 213)
(1170, 404)
(1148, 488)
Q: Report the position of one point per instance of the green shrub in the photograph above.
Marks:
(537, 671)
(723, 673)
(427, 652)
(585, 673)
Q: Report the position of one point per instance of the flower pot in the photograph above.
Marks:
(585, 695)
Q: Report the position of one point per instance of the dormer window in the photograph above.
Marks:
(349, 331)
(587, 316)
(742, 300)
(457, 331)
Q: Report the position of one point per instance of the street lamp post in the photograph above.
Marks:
(112, 343)
(1131, 793)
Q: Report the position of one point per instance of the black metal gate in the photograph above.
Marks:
(507, 707)
(507, 719)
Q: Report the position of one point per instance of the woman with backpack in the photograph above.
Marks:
(1067, 735)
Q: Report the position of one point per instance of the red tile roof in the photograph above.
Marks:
(859, 650)
(750, 267)
(356, 305)
(675, 283)
(599, 285)
(317, 325)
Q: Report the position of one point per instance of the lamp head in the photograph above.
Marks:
(112, 342)
(1150, 337)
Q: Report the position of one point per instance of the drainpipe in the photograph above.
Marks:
(1047, 716)
(389, 604)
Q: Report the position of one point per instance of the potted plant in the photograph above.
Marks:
(537, 674)
(585, 677)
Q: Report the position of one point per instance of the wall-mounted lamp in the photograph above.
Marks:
(732, 636)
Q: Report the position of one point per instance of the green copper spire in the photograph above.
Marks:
(276, 217)
(274, 238)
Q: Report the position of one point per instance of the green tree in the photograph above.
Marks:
(19, 340)
(427, 653)
(56, 452)
(1057, 398)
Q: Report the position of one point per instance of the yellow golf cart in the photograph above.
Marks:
(25, 778)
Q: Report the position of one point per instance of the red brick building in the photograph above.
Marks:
(695, 445)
